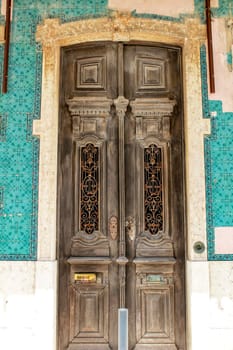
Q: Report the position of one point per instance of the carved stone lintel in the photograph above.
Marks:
(119, 26)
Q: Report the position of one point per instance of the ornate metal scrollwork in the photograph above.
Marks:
(153, 189)
(89, 189)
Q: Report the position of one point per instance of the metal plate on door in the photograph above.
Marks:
(154, 278)
(85, 277)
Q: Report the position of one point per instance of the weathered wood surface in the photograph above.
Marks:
(123, 101)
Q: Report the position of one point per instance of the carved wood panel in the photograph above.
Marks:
(89, 301)
(88, 308)
(150, 73)
(154, 301)
(119, 145)
(91, 73)
(155, 304)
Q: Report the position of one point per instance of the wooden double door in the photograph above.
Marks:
(121, 197)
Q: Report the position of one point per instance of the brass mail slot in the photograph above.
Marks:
(85, 277)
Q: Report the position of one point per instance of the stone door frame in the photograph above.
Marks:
(189, 35)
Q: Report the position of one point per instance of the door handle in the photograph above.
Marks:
(130, 228)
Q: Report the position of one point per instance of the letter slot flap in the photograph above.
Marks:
(159, 278)
(85, 277)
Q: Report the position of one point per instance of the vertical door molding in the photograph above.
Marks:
(121, 106)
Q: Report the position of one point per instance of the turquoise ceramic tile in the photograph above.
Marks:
(205, 102)
(159, 17)
(1, 199)
(225, 9)
(3, 127)
(19, 150)
(218, 165)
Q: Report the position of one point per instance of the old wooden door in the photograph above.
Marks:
(121, 197)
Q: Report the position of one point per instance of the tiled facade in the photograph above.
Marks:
(28, 151)
(19, 150)
(218, 166)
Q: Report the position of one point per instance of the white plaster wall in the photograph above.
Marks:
(28, 305)
(165, 7)
(197, 307)
(221, 305)
(223, 77)
(221, 273)
(210, 301)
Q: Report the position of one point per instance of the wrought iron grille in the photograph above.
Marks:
(89, 208)
(153, 189)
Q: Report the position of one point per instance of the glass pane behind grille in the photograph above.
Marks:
(89, 189)
(153, 185)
